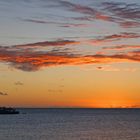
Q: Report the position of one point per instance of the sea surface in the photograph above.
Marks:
(71, 124)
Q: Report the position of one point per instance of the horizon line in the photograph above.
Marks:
(76, 107)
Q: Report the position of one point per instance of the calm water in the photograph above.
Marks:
(71, 124)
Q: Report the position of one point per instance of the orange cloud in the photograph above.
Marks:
(102, 16)
(31, 57)
(32, 61)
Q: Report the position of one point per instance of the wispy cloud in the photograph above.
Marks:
(90, 12)
(123, 10)
(60, 24)
(50, 43)
(127, 15)
(122, 47)
(115, 37)
(130, 24)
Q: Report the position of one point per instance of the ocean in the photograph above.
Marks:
(71, 124)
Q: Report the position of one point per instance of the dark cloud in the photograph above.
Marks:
(99, 67)
(18, 83)
(3, 93)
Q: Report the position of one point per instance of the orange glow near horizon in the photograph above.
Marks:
(60, 91)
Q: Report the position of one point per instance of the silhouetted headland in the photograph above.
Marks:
(8, 110)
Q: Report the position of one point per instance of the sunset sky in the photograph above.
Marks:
(70, 53)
